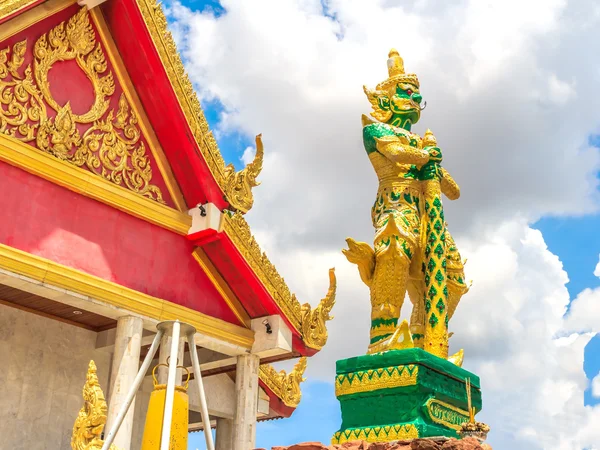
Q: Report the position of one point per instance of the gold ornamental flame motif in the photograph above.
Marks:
(238, 185)
(314, 328)
(91, 418)
(111, 146)
(285, 386)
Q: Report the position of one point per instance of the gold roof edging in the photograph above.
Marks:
(8, 7)
(309, 322)
(235, 225)
(228, 180)
(239, 232)
(285, 386)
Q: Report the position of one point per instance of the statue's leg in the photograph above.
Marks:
(393, 256)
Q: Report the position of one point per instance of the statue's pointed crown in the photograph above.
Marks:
(396, 72)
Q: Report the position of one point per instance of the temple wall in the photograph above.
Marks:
(43, 364)
(55, 223)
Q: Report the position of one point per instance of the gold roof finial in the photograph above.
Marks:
(395, 63)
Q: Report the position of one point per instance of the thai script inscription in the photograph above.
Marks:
(446, 414)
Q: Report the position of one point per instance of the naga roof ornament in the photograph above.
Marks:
(285, 385)
(91, 419)
(238, 185)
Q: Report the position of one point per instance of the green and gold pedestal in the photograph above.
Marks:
(402, 394)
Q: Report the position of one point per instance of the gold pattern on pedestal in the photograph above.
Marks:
(376, 379)
(91, 418)
(413, 252)
(314, 327)
(156, 22)
(111, 146)
(238, 185)
(285, 386)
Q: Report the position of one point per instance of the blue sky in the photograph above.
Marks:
(573, 239)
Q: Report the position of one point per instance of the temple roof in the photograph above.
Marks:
(189, 169)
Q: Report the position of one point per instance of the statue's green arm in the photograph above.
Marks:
(378, 137)
(449, 186)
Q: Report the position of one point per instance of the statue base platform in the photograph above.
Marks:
(402, 394)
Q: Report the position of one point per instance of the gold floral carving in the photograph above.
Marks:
(285, 386)
(91, 419)
(111, 146)
(236, 187)
(8, 7)
(314, 327)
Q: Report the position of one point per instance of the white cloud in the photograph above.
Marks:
(596, 386)
(501, 80)
(560, 91)
(597, 269)
(248, 155)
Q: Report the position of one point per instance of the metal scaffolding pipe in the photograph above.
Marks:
(170, 394)
(198, 378)
(133, 390)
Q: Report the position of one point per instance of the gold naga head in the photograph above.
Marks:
(396, 100)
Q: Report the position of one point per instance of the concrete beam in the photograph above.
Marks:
(96, 306)
(105, 340)
(272, 337)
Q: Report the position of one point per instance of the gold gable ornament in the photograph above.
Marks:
(91, 418)
(238, 185)
(111, 147)
(156, 411)
(285, 385)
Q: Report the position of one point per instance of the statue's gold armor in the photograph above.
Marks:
(413, 251)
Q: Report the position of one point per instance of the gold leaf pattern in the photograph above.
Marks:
(8, 7)
(238, 185)
(314, 327)
(285, 386)
(88, 427)
(111, 146)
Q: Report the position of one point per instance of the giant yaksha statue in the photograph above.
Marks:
(406, 387)
(413, 250)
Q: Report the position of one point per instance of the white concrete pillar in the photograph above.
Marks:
(224, 434)
(246, 384)
(125, 366)
(163, 353)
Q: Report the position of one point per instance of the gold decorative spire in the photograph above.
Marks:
(285, 386)
(429, 139)
(313, 324)
(238, 185)
(396, 74)
(92, 416)
(395, 63)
